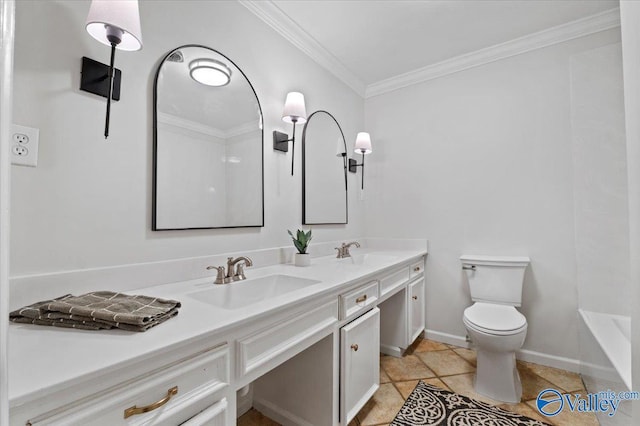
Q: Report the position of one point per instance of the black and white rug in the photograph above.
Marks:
(430, 405)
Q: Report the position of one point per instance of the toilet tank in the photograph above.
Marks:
(495, 279)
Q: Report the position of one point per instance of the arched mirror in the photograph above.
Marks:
(324, 173)
(208, 144)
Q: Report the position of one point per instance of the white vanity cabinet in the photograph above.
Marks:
(402, 310)
(359, 363)
(169, 395)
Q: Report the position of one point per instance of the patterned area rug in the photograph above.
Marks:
(430, 405)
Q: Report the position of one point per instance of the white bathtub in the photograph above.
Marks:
(605, 355)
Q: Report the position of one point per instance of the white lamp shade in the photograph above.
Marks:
(363, 143)
(120, 14)
(294, 109)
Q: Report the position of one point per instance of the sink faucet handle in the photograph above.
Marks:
(220, 278)
(339, 255)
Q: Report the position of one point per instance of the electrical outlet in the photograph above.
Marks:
(24, 145)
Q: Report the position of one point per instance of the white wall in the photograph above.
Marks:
(481, 162)
(88, 203)
(600, 181)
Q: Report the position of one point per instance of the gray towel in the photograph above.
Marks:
(97, 311)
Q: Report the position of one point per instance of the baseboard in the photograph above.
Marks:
(279, 415)
(244, 402)
(391, 350)
(555, 361)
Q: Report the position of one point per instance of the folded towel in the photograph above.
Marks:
(97, 311)
(114, 307)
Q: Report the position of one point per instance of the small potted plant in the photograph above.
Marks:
(301, 241)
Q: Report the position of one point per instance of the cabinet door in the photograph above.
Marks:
(359, 363)
(416, 309)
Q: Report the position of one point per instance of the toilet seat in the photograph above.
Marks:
(494, 319)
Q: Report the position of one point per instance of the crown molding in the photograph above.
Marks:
(561, 33)
(273, 16)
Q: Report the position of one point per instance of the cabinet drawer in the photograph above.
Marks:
(359, 300)
(393, 281)
(263, 346)
(212, 416)
(416, 269)
(178, 392)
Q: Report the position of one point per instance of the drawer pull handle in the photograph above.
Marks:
(361, 299)
(415, 297)
(355, 347)
(416, 269)
(132, 411)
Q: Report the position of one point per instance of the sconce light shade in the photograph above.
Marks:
(210, 72)
(363, 143)
(294, 109)
(115, 18)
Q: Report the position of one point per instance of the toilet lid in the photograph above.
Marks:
(493, 318)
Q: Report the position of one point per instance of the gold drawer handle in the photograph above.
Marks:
(361, 299)
(132, 411)
(355, 347)
(415, 297)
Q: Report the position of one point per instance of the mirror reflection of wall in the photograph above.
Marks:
(208, 144)
(324, 175)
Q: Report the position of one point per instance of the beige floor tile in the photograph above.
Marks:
(408, 367)
(255, 418)
(463, 384)
(468, 354)
(568, 418)
(383, 376)
(405, 388)
(532, 384)
(524, 409)
(426, 345)
(565, 380)
(446, 363)
(382, 407)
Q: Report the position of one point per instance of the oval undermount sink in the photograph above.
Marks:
(368, 259)
(239, 294)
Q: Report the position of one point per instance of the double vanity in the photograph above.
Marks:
(301, 344)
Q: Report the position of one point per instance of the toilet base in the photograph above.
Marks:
(497, 376)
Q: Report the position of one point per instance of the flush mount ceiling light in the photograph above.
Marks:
(115, 23)
(210, 72)
(294, 112)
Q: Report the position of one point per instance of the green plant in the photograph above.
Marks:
(301, 240)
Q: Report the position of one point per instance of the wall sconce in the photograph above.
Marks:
(294, 112)
(115, 23)
(363, 146)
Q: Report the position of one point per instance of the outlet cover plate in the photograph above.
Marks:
(24, 145)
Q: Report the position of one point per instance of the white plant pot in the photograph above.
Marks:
(302, 259)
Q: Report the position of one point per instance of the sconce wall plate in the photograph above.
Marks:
(95, 79)
(353, 165)
(280, 141)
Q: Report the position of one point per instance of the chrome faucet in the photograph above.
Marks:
(343, 250)
(230, 275)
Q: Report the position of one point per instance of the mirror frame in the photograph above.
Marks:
(155, 143)
(304, 184)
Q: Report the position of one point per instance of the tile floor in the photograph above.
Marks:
(451, 367)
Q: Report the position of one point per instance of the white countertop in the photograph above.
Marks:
(43, 359)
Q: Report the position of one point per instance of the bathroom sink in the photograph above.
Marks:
(243, 293)
(368, 259)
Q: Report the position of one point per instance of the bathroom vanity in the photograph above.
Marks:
(301, 343)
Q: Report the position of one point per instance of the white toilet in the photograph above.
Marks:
(494, 324)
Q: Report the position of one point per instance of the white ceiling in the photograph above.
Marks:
(377, 40)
